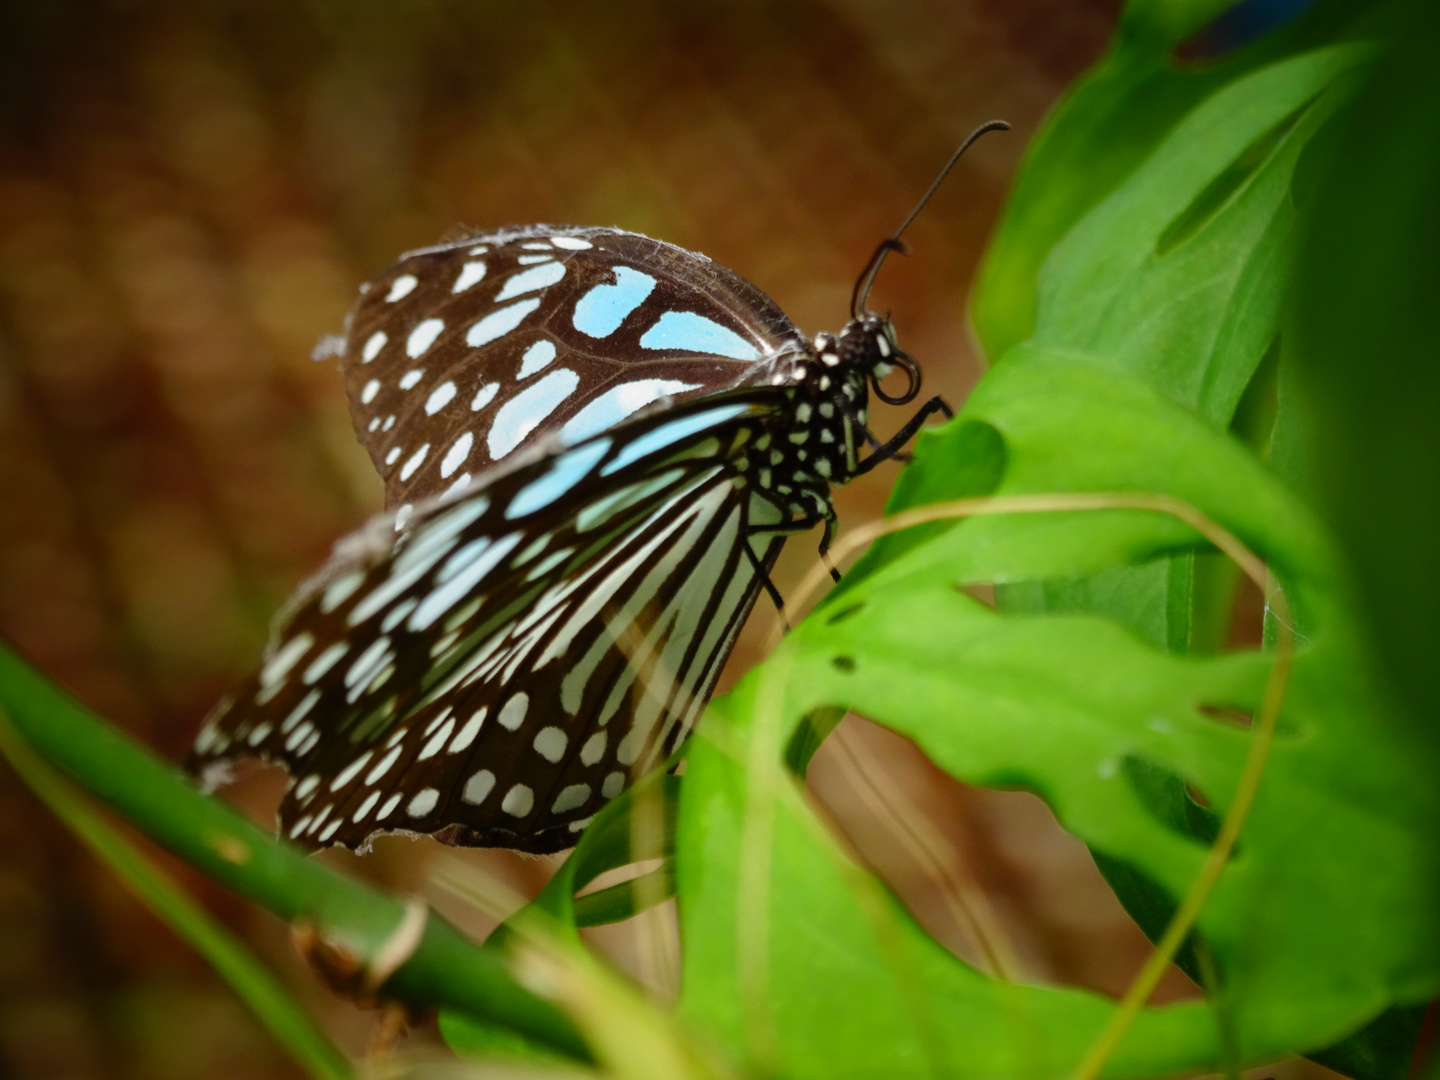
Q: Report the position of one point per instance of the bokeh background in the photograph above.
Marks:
(190, 195)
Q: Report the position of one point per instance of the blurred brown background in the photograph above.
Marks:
(190, 194)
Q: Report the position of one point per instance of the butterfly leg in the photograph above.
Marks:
(832, 522)
(891, 449)
(764, 575)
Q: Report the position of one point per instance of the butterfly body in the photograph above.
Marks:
(593, 446)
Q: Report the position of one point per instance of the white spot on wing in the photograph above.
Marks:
(594, 749)
(366, 807)
(574, 243)
(484, 396)
(411, 377)
(513, 714)
(478, 786)
(441, 396)
(350, 771)
(437, 740)
(416, 460)
(372, 388)
(289, 654)
(423, 802)
(613, 785)
(537, 277)
(550, 743)
(470, 273)
(298, 713)
(466, 735)
(423, 336)
(456, 455)
(519, 801)
(527, 410)
(536, 357)
(373, 345)
(368, 662)
(499, 323)
(616, 404)
(401, 287)
(571, 798)
(384, 766)
(340, 590)
(324, 662)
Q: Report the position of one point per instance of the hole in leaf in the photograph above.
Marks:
(1167, 796)
(845, 613)
(983, 591)
(1060, 920)
(1152, 907)
(844, 663)
(1247, 616)
(1226, 715)
(1224, 187)
(1238, 26)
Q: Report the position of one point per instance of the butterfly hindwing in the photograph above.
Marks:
(463, 353)
(525, 648)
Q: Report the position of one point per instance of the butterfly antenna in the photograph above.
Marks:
(891, 243)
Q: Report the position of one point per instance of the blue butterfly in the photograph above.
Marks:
(593, 445)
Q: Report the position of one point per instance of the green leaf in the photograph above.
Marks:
(1059, 704)
(1109, 122)
(1364, 329)
(1179, 273)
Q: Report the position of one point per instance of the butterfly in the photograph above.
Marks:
(593, 446)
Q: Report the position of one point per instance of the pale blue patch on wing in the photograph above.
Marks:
(600, 311)
(538, 277)
(499, 323)
(568, 471)
(470, 274)
(536, 357)
(616, 404)
(690, 332)
(480, 557)
(526, 410)
(672, 432)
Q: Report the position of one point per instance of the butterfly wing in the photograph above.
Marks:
(461, 354)
(520, 651)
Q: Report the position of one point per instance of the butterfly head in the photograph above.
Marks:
(868, 349)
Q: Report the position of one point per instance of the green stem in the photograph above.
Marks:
(271, 1003)
(445, 969)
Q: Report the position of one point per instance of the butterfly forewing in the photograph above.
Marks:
(525, 647)
(461, 355)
